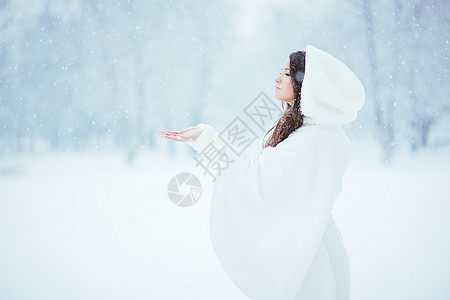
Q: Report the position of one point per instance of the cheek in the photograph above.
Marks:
(288, 87)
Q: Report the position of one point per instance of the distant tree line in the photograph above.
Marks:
(82, 73)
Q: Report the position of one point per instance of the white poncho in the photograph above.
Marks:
(270, 222)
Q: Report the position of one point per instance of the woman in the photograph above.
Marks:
(271, 224)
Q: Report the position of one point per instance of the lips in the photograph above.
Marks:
(277, 88)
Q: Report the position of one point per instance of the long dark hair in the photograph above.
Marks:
(292, 117)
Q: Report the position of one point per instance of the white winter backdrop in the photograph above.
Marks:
(86, 85)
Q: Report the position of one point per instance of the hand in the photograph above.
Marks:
(186, 135)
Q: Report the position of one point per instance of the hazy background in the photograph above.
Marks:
(85, 86)
(78, 75)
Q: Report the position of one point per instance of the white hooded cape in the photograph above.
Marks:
(270, 222)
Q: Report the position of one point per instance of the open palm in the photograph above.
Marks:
(186, 135)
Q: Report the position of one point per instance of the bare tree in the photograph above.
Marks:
(422, 18)
(383, 115)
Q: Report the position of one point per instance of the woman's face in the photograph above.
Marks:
(283, 88)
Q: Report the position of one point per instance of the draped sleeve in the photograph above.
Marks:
(283, 197)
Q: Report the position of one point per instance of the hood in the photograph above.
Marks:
(331, 92)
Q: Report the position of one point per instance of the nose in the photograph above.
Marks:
(277, 79)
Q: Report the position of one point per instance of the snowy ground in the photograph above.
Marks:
(91, 226)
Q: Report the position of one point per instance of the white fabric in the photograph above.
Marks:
(270, 210)
(329, 274)
(331, 92)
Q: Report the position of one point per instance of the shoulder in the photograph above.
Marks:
(317, 137)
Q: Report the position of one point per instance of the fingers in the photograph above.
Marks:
(169, 132)
(174, 137)
(180, 136)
